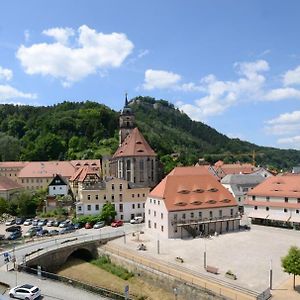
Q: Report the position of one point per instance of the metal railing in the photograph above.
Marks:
(195, 221)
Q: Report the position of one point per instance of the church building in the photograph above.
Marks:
(134, 160)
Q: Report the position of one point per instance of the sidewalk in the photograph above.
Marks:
(286, 292)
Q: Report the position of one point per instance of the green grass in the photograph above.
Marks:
(105, 263)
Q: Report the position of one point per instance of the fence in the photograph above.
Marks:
(205, 282)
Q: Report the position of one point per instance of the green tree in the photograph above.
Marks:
(291, 262)
(9, 147)
(3, 206)
(108, 213)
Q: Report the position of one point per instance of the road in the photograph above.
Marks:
(52, 289)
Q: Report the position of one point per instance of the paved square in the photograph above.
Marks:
(245, 253)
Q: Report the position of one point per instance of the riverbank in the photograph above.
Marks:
(86, 272)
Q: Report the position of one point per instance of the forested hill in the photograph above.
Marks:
(72, 130)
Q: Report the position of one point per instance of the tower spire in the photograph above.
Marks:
(126, 100)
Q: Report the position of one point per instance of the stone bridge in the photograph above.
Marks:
(51, 258)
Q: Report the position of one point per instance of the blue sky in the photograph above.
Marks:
(234, 65)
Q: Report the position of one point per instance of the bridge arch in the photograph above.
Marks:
(82, 253)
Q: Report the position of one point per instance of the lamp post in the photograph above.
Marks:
(270, 275)
(175, 290)
(204, 258)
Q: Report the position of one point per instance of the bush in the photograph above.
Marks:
(105, 263)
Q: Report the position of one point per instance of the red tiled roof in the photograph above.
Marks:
(183, 191)
(278, 186)
(134, 145)
(8, 184)
(13, 164)
(47, 169)
(197, 170)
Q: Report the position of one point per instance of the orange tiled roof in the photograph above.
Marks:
(197, 170)
(8, 184)
(183, 191)
(82, 172)
(86, 162)
(278, 186)
(47, 169)
(134, 145)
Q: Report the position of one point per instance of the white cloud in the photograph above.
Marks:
(282, 93)
(284, 124)
(94, 52)
(27, 35)
(8, 92)
(61, 35)
(159, 79)
(290, 142)
(5, 74)
(292, 77)
(220, 95)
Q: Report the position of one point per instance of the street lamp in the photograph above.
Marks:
(175, 290)
(204, 259)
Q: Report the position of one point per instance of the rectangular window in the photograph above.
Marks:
(89, 197)
(132, 195)
(162, 228)
(149, 212)
(183, 216)
(161, 215)
(253, 198)
(175, 216)
(133, 206)
(96, 197)
(255, 207)
(112, 186)
(122, 217)
(192, 215)
(138, 195)
(143, 205)
(121, 207)
(200, 214)
(285, 210)
(297, 211)
(210, 214)
(298, 200)
(154, 201)
(231, 212)
(79, 208)
(112, 198)
(139, 205)
(121, 197)
(149, 224)
(155, 225)
(268, 198)
(89, 207)
(286, 199)
(220, 213)
(154, 213)
(104, 197)
(97, 207)
(121, 186)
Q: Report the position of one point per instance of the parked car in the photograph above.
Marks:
(13, 228)
(20, 221)
(64, 224)
(56, 223)
(53, 232)
(10, 222)
(25, 291)
(88, 225)
(27, 222)
(137, 220)
(42, 232)
(68, 229)
(78, 225)
(99, 225)
(14, 235)
(32, 231)
(35, 222)
(50, 223)
(117, 223)
(42, 222)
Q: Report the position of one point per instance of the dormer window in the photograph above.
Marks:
(196, 202)
(180, 203)
(211, 201)
(213, 190)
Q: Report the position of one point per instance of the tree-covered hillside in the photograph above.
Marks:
(72, 130)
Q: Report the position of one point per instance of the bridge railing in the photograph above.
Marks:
(71, 240)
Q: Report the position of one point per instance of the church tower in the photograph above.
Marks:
(126, 122)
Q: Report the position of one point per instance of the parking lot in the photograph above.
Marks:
(248, 254)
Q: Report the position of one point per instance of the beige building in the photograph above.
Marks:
(38, 175)
(11, 169)
(190, 201)
(129, 201)
(9, 188)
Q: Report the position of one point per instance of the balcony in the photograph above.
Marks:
(198, 221)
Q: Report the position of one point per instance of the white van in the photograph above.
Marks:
(137, 220)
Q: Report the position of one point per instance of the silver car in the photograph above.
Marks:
(25, 291)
